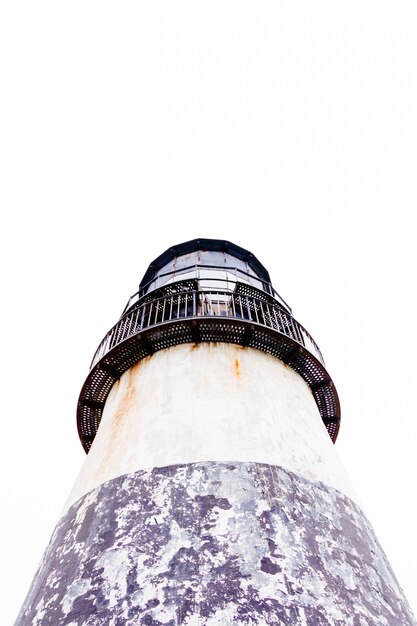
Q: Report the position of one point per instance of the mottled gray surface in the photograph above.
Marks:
(214, 544)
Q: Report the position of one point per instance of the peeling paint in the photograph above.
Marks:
(214, 544)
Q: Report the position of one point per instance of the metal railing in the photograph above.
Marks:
(196, 304)
(196, 271)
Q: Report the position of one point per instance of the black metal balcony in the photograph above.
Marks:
(194, 311)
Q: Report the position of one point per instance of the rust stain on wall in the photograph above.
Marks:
(126, 403)
(237, 367)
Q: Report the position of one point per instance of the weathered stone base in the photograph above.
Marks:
(207, 544)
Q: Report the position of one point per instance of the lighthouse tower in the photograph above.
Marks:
(211, 493)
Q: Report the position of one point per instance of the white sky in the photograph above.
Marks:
(288, 128)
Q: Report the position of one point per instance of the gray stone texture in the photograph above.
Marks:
(207, 544)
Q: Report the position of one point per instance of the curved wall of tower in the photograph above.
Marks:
(213, 495)
(210, 402)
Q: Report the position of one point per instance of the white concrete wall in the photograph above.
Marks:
(210, 402)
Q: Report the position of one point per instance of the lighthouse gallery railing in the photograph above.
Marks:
(244, 303)
(192, 310)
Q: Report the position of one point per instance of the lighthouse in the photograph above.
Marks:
(211, 493)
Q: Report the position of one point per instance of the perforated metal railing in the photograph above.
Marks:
(244, 303)
(183, 312)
